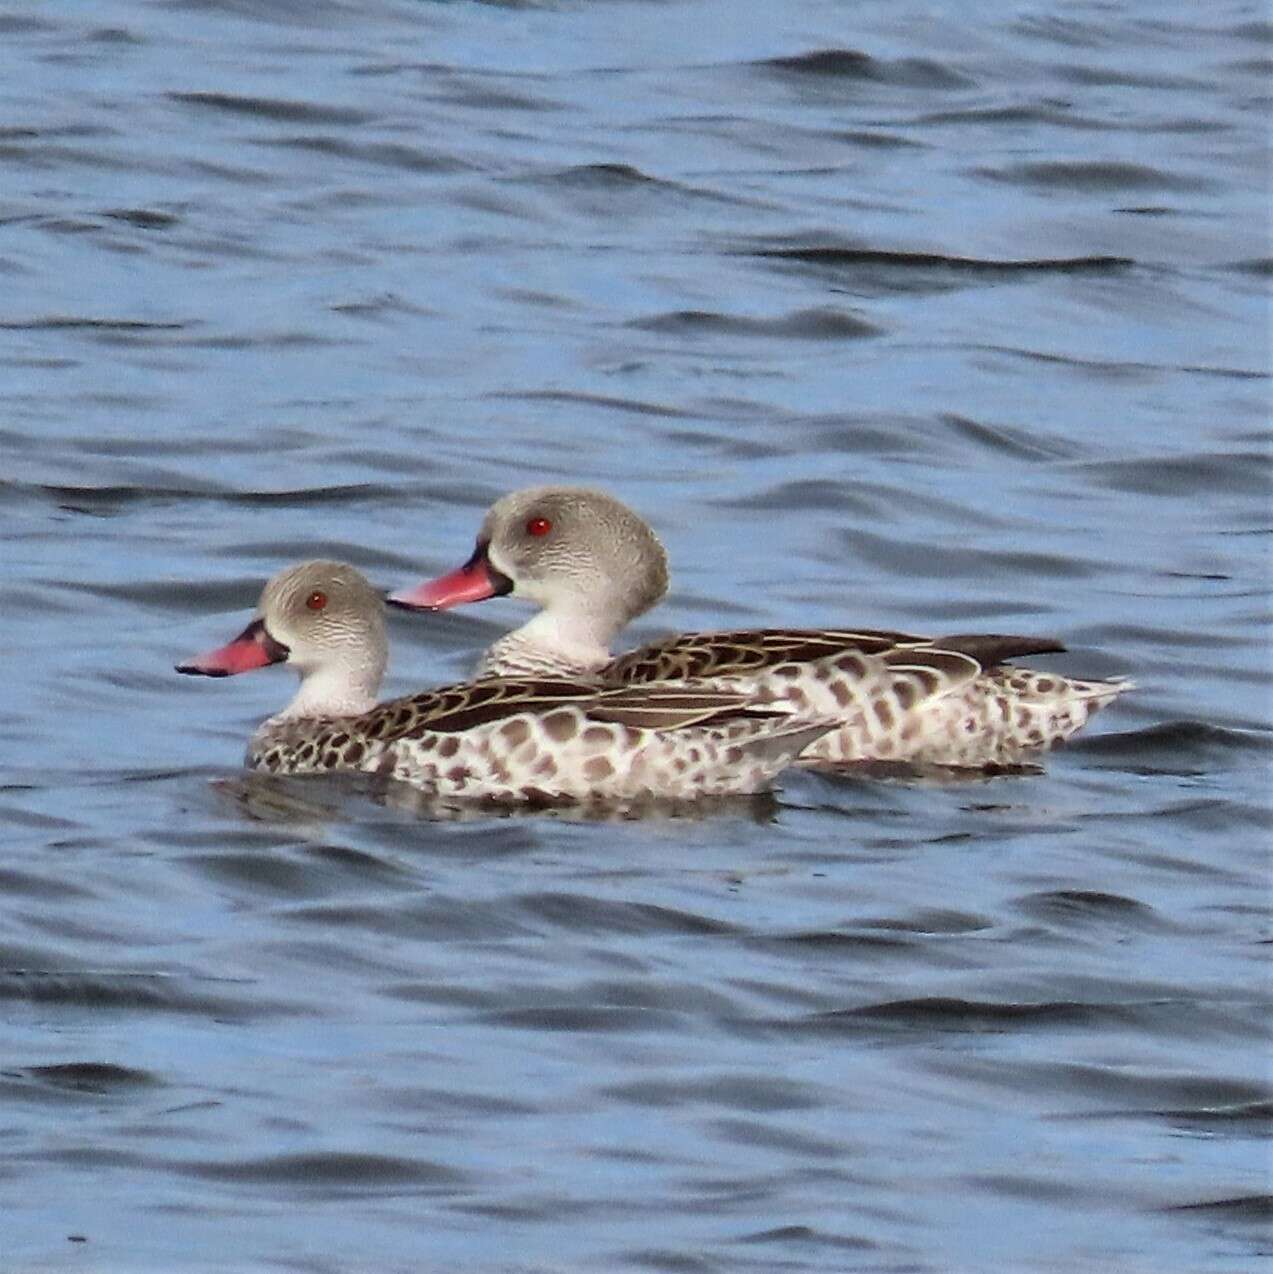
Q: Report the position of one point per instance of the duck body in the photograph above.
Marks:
(509, 739)
(895, 697)
(497, 738)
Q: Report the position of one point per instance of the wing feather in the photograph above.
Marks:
(673, 708)
(455, 709)
(692, 656)
(702, 656)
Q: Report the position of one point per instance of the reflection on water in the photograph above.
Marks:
(304, 802)
(895, 318)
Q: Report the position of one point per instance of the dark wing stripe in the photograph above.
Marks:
(668, 719)
(948, 663)
(646, 719)
(674, 698)
(670, 707)
(989, 649)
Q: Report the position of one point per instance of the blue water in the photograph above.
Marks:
(919, 317)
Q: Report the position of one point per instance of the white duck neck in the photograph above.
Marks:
(335, 689)
(552, 641)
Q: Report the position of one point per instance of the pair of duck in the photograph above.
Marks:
(553, 714)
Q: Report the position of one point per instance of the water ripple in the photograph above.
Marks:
(945, 324)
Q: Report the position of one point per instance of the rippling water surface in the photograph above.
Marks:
(912, 316)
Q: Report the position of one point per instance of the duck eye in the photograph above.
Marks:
(538, 526)
(316, 600)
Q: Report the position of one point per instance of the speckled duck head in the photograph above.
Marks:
(585, 559)
(327, 622)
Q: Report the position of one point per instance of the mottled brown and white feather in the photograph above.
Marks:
(951, 701)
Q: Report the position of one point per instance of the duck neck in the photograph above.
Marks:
(552, 642)
(335, 689)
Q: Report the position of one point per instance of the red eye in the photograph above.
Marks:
(538, 526)
(316, 600)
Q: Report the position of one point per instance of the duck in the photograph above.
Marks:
(500, 738)
(591, 565)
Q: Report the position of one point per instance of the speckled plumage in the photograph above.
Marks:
(504, 739)
(517, 738)
(897, 697)
(951, 701)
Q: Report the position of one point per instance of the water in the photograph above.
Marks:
(894, 315)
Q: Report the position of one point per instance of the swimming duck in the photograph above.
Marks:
(591, 565)
(505, 738)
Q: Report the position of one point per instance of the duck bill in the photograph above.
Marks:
(475, 581)
(252, 648)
